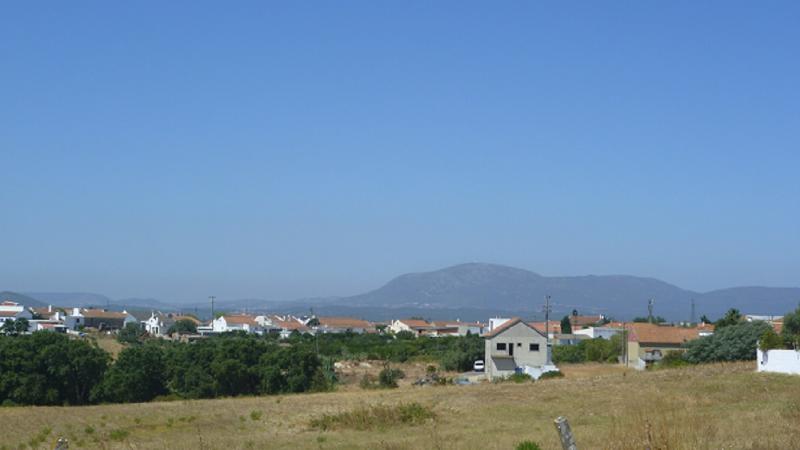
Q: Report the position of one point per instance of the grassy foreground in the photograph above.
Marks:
(713, 406)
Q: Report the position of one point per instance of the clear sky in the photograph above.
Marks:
(280, 150)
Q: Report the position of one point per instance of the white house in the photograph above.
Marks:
(516, 346)
(415, 326)
(236, 322)
(598, 332)
(74, 320)
(12, 311)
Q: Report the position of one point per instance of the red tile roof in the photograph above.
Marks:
(415, 323)
(343, 322)
(240, 319)
(101, 314)
(649, 333)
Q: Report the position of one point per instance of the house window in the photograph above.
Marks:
(533, 347)
(519, 344)
(501, 345)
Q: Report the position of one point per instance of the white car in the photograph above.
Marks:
(478, 366)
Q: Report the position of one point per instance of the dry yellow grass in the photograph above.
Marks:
(706, 407)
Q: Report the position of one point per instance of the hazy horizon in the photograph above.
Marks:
(285, 151)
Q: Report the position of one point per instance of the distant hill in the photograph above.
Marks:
(21, 299)
(74, 299)
(490, 286)
(478, 291)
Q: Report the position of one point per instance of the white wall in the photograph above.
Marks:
(780, 361)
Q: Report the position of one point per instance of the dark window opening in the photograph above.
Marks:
(501, 346)
(534, 347)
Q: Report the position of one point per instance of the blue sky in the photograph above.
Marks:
(283, 150)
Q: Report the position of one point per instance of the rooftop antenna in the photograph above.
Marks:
(650, 304)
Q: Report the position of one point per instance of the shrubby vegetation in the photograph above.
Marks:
(730, 343)
(589, 350)
(452, 352)
(46, 368)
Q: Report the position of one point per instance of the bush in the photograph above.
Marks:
(519, 377)
(528, 445)
(551, 374)
(673, 359)
(594, 350)
(730, 343)
(388, 377)
(770, 340)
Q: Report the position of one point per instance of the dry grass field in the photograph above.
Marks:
(723, 406)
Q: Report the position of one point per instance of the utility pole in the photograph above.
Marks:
(211, 297)
(692, 319)
(650, 304)
(547, 326)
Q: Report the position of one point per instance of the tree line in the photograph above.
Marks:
(45, 368)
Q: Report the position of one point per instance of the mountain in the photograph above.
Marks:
(75, 299)
(21, 299)
(490, 286)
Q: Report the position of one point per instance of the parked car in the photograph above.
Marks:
(478, 366)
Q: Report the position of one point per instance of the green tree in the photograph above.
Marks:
(131, 333)
(183, 326)
(138, 375)
(730, 343)
(770, 340)
(656, 319)
(15, 327)
(732, 317)
(566, 326)
(704, 319)
(791, 326)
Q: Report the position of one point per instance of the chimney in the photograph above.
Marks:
(49, 308)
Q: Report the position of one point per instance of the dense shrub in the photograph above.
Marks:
(388, 377)
(551, 374)
(378, 416)
(46, 368)
(589, 350)
(138, 375)
(730, 343)
(770, 340)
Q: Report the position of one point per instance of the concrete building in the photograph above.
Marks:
(515, 346)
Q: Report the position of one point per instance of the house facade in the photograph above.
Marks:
(105, 320)
(10, 311)
(514, 346)
(236, 322)
(649, 343)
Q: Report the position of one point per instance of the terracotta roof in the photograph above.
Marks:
(343, 322)
(415, 323)
(289, 325)
(648, 333)
(582, 321)
(555, 326)
(99, 313)
(9, 313)
(9, 303)
(240, 319)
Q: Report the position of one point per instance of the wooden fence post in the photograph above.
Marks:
(565, 433)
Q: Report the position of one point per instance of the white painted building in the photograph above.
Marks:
(598, 332)
(778, 361)
(236, 322)
(10, 311)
